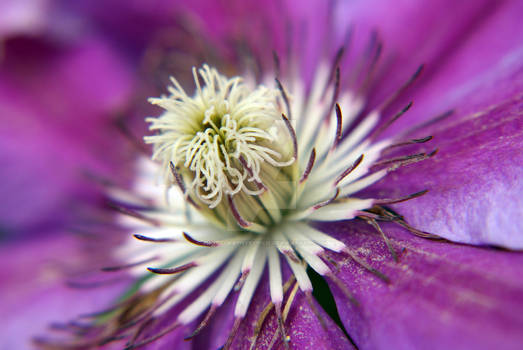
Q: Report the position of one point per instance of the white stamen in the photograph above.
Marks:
(301, 275)
(229, 282)
(320, 238)
(299, 240)
(341, 211)
(356, 186)
(250, 284)
(313, 260)
(198, 306)
(191, 279)
(275, 279)
(252, 249)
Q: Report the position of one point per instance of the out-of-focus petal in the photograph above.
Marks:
(58, 121)
(23, 17)
(33, 289)
(414, 33)
(441, 295)
(477, 71)
(248, 34)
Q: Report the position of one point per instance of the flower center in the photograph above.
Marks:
(229, 148)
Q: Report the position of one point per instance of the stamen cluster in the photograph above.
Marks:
(221, 138)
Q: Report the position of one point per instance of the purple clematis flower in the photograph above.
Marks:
(63, 96)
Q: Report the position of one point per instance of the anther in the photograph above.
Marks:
(402, 88)
(241, 280)
(309, 166)
(408, 142)
(377, 227)
(153, 338)
(155, 240)
(389, 122)
(285, 97)
(134, 214)
(349, 170)
(328, 201)
(172, 270)
(260, 185)
(404, 160)
(310, 301)
(401, 199)
(339, 120)
(277, 64)
(292, 133)
(291, 255)
(232, 334)
(337, 84)
(429, 122)
(177, 177)
(200, 243)
(342, 287)
(334, 69)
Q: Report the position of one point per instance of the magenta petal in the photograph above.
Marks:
(307, 332)
(302, 325)
(415, 33)
(216, 333)
(58, 105)
(481, 70)
(172, 340)
(441, 295)
(474, 181)
(34, 292)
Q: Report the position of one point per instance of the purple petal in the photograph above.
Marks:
(417, 33)
(59, 106)
(303, 327)
(173, 340)
(138, 26)
(441, 295)
(216, 333)
(474, 181)
(478, 71)
(34, 293)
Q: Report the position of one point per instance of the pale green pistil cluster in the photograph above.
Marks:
(228, 148)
